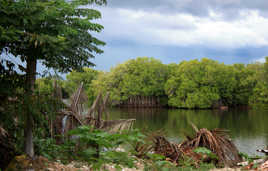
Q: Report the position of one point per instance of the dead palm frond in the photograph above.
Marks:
(218, 142)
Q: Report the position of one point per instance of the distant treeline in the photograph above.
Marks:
(193, 84)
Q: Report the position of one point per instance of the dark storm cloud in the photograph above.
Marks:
(121, 51)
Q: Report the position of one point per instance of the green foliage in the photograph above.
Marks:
(248, 158)
(197, 84)
(187, 163)
(43, 107)
(47, 147)
(55, 32)
(98, 148)
(207, 83)
(74, 79)
(244, 156)
(95, 147)
(158, 162)
(266, 70)
(260, 94)
(140, 76)
(204, 150)
(46, 85)
(10, 79)
(202, 167)
(189, 84)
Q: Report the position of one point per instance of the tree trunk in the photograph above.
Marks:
(28, 130)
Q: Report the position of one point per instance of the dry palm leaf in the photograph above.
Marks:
(218, 142)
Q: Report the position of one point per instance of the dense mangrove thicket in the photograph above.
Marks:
(207, 83)
(137, 82)
(146, 82)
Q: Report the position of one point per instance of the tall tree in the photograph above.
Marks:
(54, 32)
(200, 84)
(266, 70)
(142, 76)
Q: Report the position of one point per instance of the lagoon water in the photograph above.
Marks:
(247, 128)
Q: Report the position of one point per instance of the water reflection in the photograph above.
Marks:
(248, 128)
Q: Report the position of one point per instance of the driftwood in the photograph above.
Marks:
(72, 116)
(98, 108)
(118, 125)
(156, 142)
(77, 99)
(96, 113)
(166, 148)
(265, 151)
(218, 142)
(94, 106)
(215, 140)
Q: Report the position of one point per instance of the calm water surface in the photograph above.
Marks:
(248, 128)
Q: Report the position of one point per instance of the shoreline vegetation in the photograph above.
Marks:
(83, 141)
(193, 84)
(140, 83)
(206, 150)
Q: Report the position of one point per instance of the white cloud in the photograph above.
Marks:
(182, 29)
(261, 60)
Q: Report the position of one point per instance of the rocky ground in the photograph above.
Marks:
(43, 164)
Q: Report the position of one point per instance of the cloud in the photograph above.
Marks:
(261, 60)
(193, 7)
(120, 51)
(183, 29)
(230, 31)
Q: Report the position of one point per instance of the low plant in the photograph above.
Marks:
(205, 151)
(95, 147)
(248, 158)
(157, 162)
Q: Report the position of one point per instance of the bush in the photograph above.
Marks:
(94, 147)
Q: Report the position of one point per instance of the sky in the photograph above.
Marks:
(230, 31)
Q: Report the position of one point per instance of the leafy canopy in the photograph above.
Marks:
(53, 31)
(142, 76)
